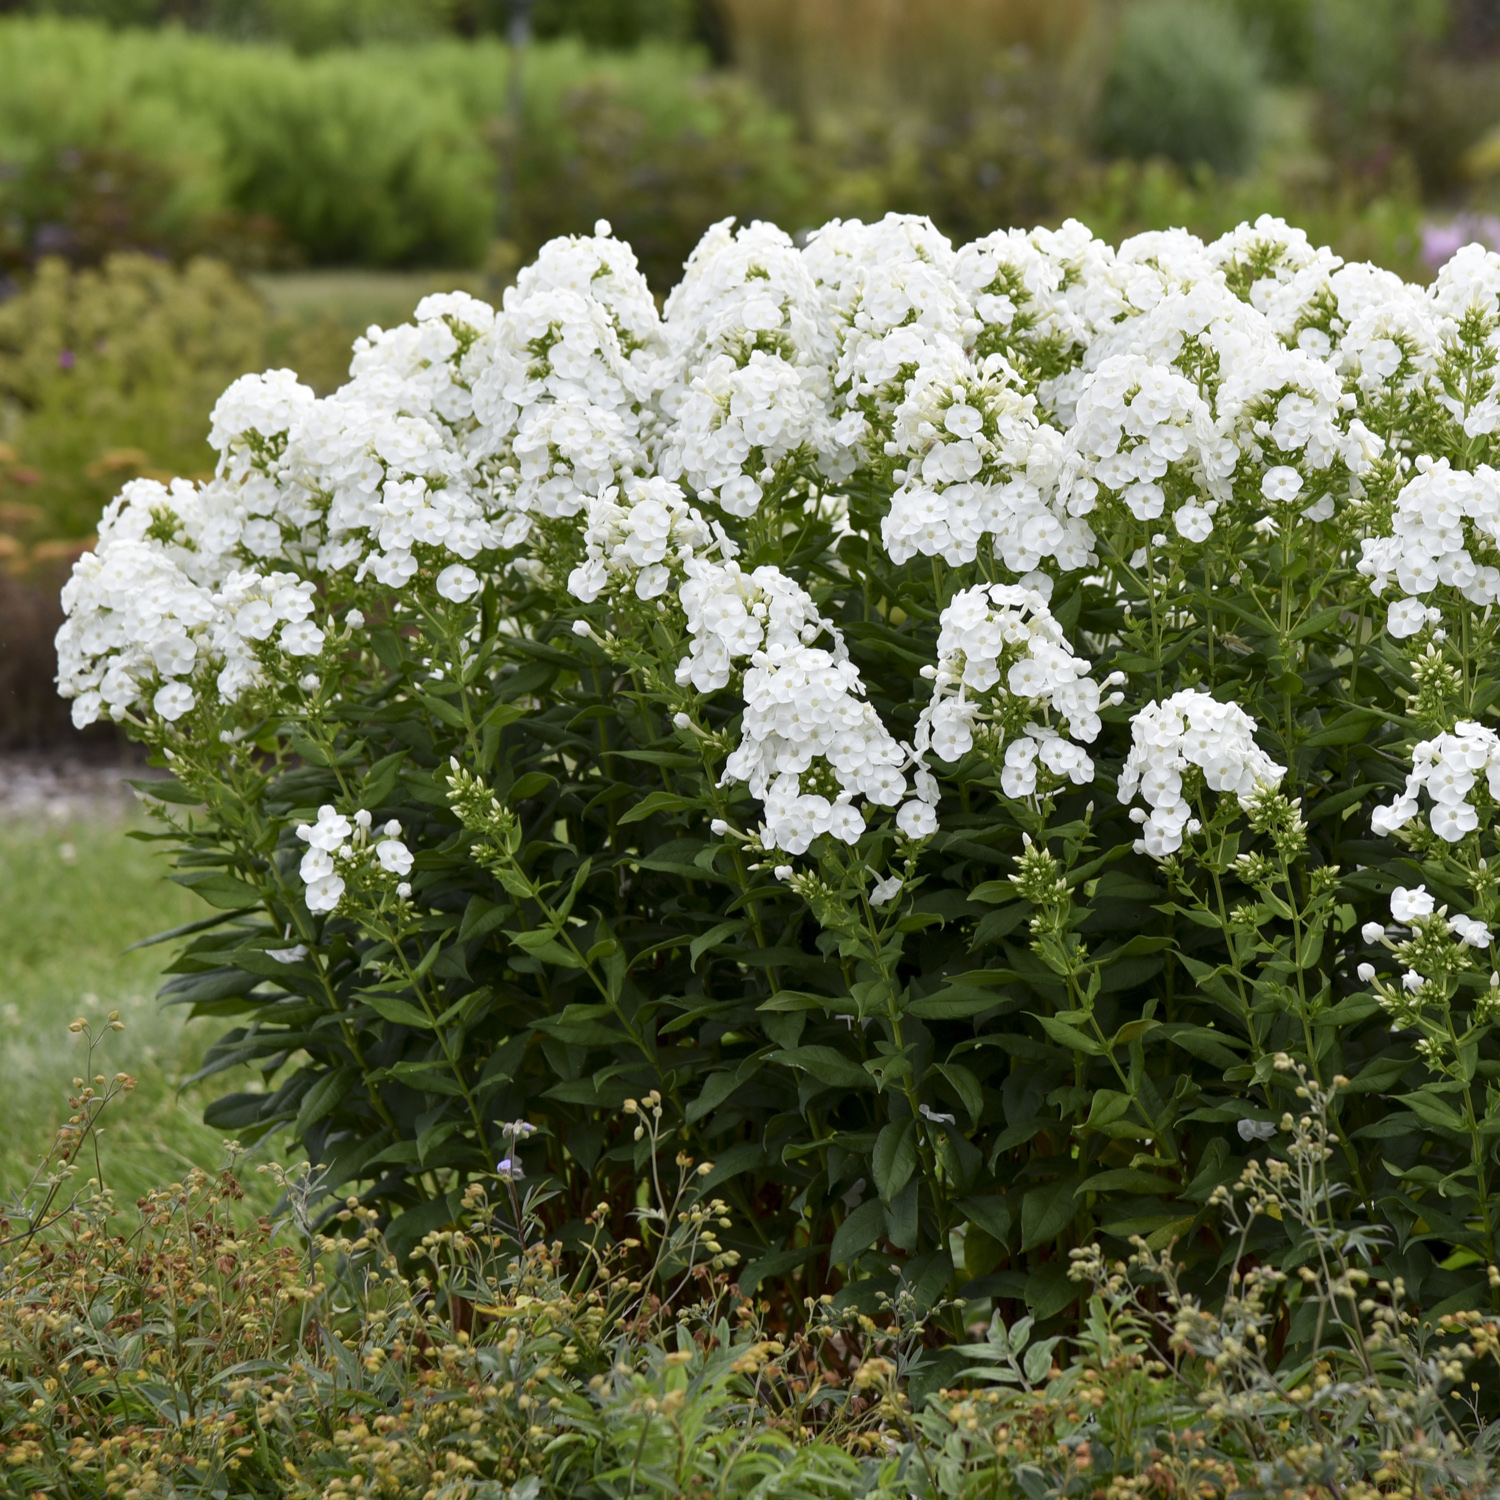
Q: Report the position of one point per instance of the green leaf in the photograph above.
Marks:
(1431, 1110)
(713, 937)
(957, 1002)
(778, 1263)
(997, 893)
(481, 917)
(719, 1087)
(403, 1012)
(1107, 1106)
(895, 1157)
(659, 802)
(544, 946)
(429, 1078)
(532, 784)
(1128, 1180)
(323, 1098)
(825, 1064)
(965, 1085)
(1069, 1037)
(167, 789)
(1348, 729)
(1132, 1031)
(863, 1227)
(1046, 1210)
(991, 1213)
(1321, 621)
(445, 712)
(1212, 1046)
(218, 889)
(201, 925)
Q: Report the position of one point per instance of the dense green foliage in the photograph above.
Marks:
(1183, 86)
(376, 156)
(179, 1350)
(317, 25)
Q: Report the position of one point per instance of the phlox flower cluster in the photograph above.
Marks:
(732, 614)
(1025, 401)
(1448, 768)
(1004, 663)
(1443, 518)
(560, 380)
(737, 428)
(1189, 729)
(805, 708)
(894, 305)
(748, 395)
(340, 848)
(977, 464)
(159, 611)
(640, 543)
(1414, 905)
(1137, 420)
(1017, 283)
(1430, 945)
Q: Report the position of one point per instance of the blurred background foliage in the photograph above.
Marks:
(193, 188)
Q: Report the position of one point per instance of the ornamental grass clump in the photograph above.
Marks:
(944, 721)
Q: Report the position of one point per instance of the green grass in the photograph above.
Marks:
(356, 298)
(73, 898)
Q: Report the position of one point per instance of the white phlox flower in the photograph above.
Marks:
(1287, 414)
(1467, 287)
(562, 383)
(1189, 729)
(1410, 905)
(1470, 931)
(340, 849)
(748, 290)
(977, 463)
(840, 255)
(749, 395)
(1003, 665)
(732, 614)
(644, 543)
(893, 305)
(1017, 281)
(1258, 259)
(1146, 445)
(1449, 769)
(805, 708)
(1445, 531)
(737, 429)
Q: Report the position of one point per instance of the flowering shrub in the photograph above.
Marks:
(946, 720)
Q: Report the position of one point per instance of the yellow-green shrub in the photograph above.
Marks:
(104, 371)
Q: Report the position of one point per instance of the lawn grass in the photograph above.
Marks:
(356, 298)
(73, 897)
(314, 317)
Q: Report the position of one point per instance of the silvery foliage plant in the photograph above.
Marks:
(946, 720)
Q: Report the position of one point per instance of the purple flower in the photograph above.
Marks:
(66, 360)
(1441, 242)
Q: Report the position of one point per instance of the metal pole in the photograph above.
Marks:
(517, 36)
